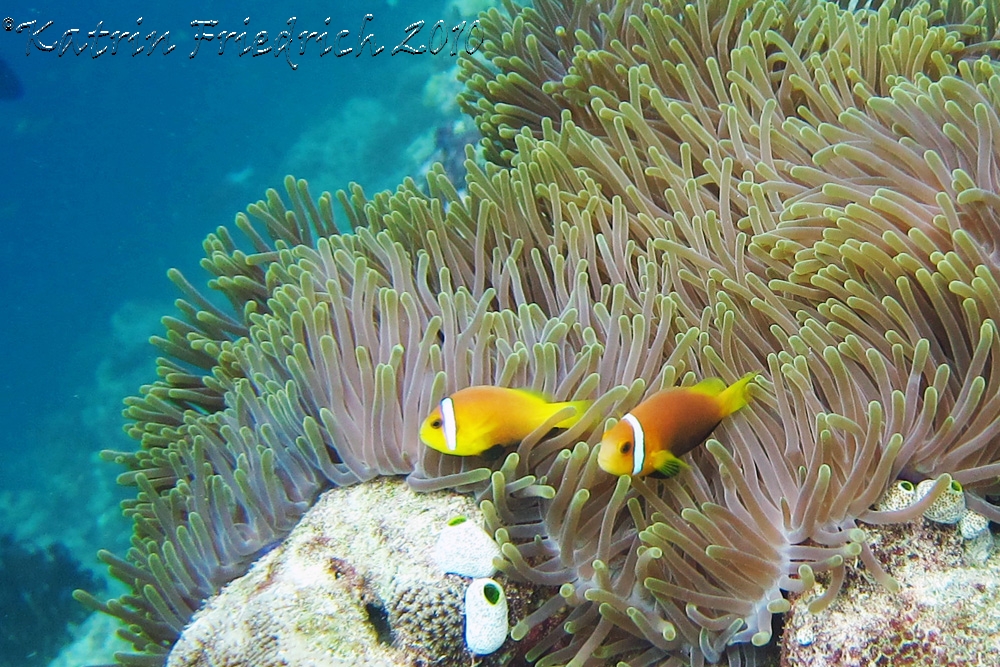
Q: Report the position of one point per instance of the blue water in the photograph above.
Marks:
(115, 168)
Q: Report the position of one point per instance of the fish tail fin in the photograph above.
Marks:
(579, 406)
(736, 395)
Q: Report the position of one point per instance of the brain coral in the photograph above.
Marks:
(673, 191)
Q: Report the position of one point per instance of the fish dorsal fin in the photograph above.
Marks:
(709, 387)
(534, 394)
(737, 395)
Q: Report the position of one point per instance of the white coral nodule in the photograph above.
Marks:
(898, 496)
(973, 524)
(465, 549)
(949, 507)
(485, 616)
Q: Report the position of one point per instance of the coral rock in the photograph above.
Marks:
(945, 613)
(428, 621)
(354, 584)
(979, 549)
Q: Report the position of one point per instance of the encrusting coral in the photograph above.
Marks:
(676, 191)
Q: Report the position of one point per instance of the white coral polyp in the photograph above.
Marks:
(948, 508)
(465, 549)
(485, 616)
(898, 496)
(973, 524)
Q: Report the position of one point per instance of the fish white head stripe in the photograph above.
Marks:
(448, 422)
(639, 448)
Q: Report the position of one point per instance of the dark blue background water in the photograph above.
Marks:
(114, 169)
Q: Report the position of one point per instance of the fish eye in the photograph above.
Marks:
(436, 423)
(625, 447)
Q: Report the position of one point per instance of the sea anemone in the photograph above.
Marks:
(676, 191)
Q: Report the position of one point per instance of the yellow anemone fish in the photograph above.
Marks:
(669, 424)
(476, 419)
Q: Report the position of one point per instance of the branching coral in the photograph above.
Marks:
(684, 190)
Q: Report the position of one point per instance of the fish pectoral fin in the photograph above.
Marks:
(493, 453)
(671, 466)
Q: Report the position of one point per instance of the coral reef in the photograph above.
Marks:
(94, 642)
(946, 613)
(427, 621)
(674, 191)
(353, 584)
(75, 502)
(36, 603)
(363, 128)
(60, 505)
(948, 509)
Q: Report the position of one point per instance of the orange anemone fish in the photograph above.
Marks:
(669, 424)
(476, 419)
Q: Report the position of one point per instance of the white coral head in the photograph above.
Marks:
(973, 524)
(464, 548)
(949, 507)
(485, 616)
(979, 549)
(898, 496)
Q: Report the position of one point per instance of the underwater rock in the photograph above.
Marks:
(979, 548)
(945, 613)
(427, 621)
(354, 584)
(95, 641)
